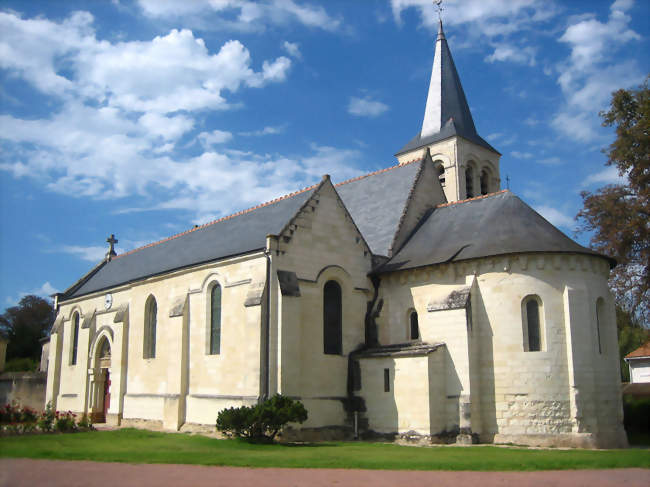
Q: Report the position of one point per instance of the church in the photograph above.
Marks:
(420, 302)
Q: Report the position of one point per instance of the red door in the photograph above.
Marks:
(107, 392)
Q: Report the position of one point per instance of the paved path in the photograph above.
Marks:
(32, 473)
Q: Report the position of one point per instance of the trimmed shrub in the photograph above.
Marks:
(262, 421)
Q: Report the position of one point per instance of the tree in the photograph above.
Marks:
(25, 325)
(631, 335)
(618, 214)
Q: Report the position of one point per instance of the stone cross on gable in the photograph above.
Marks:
(111, 250)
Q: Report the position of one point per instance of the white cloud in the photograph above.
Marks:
(293, 49)
(209, 180)
(366, 107)
(93, 253)
(494, 136)
(121, 108)
(593, 70)
(243, 15)
(495, 21)
(609, 175)
(45, 291)
(268, 130)
(169, 73)
(521, 155)
(169, 128)
(555, 216)
(495, 15)
(208, 139)
(550, 161)
(512, 53)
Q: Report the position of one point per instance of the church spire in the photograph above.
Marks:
(446, 113)
(446, 102)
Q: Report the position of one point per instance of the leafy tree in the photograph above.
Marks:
(618, 215)
(631, 335)
(25, 324)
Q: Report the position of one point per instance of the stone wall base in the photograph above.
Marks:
(324, 433)
(202, 429)
(146, 424)
(114, 419)
(566, 440)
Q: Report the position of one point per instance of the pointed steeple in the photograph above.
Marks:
(447, 112)
(446, 100)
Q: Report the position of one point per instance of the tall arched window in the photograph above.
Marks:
(414, 329)
(150, 321)
(332, 318)
(485, 181)
(532, 324)
(469, 182)
(75, 338)
(600, 316)
(440, 169)
(215, 319)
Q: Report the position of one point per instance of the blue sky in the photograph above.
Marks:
(143, 118)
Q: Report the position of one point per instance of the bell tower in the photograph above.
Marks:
(467, 165)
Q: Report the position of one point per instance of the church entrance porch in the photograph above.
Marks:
(99, 390)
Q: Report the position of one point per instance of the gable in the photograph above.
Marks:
(377, 202)
(425, 194)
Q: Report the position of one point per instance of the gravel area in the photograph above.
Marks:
(54, 473)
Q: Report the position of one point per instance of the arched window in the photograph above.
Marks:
(215, 319)
(75, 338)
(469, 182)
(414, 330)
(150, 321)
(600, 316)
(485, 181)
(332, 318)
(532, 324)
(441, 172)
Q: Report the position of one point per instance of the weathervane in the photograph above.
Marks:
(439, 8)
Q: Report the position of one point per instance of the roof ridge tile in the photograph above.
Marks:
(379, 171)
(261, 205)
(218, 220)
(442, 205)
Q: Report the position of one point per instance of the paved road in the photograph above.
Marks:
(52, 473)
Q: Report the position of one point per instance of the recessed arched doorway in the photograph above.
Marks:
(100, 381)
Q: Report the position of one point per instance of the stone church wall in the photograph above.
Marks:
(567, 393)
(183, 383)
(324, 245)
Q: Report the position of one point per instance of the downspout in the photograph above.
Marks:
(266, 355)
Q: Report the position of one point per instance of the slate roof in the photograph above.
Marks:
(237, 234)
(376, 202)
(490, 225)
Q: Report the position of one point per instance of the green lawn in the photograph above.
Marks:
(139, 446)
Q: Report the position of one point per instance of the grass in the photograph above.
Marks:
(140, 446)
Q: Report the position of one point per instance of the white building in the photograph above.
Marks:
(421, 298)
(639, 363)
